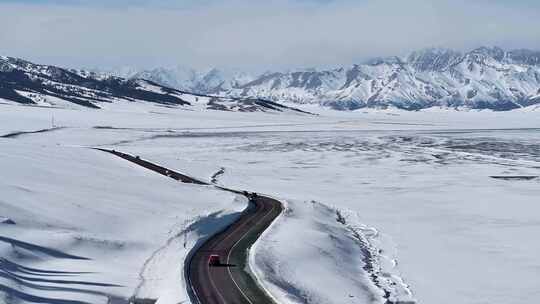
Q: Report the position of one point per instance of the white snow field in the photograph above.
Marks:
(86, 227)
(380, 204)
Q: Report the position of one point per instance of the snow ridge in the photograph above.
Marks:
(378, 262)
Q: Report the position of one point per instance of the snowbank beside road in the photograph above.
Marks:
(318, 254)
(91, 228)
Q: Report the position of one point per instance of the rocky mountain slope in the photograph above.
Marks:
(28, 83)
(484, 78)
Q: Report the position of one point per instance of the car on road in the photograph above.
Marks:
(214, 260)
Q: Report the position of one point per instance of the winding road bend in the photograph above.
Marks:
(231, 282)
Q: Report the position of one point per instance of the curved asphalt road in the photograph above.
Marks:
(231, 282)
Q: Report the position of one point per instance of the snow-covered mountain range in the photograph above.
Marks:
(28, 83)
(208, 81)
(484, 78)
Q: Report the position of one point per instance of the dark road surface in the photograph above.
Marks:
(231, 282)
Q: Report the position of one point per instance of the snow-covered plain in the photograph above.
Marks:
(389, 201)
(80, 226)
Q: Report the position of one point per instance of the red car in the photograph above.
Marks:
(214, 260)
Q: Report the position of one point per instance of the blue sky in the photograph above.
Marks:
(255, 34)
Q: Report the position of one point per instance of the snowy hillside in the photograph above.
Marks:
(79, 226)
(24, 82)
(484, 78)
(185, 78)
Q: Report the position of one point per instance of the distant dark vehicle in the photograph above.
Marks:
(214, 260)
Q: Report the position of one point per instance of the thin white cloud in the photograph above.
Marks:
(256, 34)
